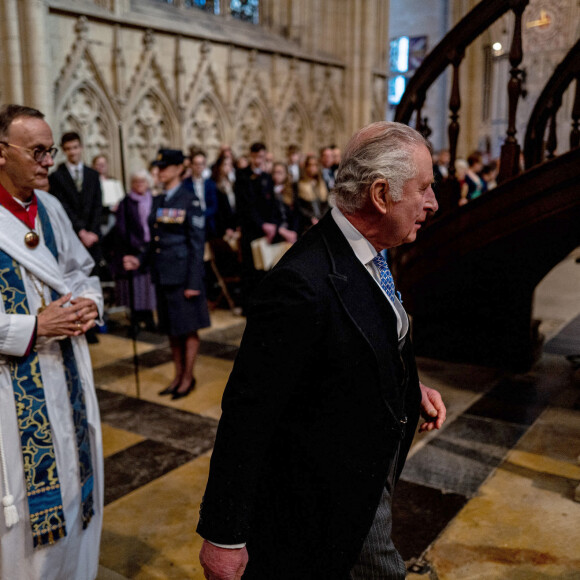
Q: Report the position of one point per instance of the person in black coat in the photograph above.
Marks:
(258, 213)
(175, 256)
(78, 188)
(324, 398)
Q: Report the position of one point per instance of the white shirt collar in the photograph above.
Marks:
(365, 252)
(74, 168)
(362, 248)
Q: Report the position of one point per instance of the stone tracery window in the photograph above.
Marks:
(292, 129)
(148, 130)
(86, 115)
(205, 129)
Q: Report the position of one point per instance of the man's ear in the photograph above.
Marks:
(379, 195)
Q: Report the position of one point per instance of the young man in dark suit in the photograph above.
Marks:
(78, 188)
(324, 398)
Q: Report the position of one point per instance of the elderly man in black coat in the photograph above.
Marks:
(324, 398)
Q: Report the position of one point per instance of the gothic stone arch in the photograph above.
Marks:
(253, 125)
(88, 112)
(152, 125)
(205, 127)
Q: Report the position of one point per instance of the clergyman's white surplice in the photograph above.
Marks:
(77, 555)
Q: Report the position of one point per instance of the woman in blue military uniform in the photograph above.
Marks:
(175, 256)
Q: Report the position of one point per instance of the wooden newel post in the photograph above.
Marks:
(510, 151)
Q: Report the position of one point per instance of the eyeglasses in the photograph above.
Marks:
(38, 153)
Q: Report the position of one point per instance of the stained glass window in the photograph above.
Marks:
(247, 10)
(212, 6)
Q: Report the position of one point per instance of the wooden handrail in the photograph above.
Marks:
(548, 103)
(450, 50)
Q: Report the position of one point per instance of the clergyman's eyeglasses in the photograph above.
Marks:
(38, 153)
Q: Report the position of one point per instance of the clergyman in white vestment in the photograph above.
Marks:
(47, 302)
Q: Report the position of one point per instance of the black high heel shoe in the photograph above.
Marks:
(178, 395)
(168, 390)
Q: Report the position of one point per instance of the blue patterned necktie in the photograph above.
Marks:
(387, 282)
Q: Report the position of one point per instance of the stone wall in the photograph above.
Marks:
(135, 75)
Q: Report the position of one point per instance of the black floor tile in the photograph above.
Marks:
(173, 427)
(136, 466)
(114, 371)
(419, 515)
(154, 358)
(218, 350)
(450, 467)
(471, 429)
(513, 400)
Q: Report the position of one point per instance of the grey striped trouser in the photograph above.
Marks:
(379, 559)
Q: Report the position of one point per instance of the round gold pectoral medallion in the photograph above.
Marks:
(31, 240)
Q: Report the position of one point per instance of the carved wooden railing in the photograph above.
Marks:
(546, 109)
(469, 279)
(450, 51)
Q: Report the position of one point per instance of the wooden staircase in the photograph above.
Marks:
(469, 279)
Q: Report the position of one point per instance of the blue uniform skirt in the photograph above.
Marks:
(179, 315)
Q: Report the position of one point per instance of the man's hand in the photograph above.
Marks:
(269, 231)
(75, 320)
(131, 263)
(289, 236)
(432, 408)
(222, 563)
(88, 238)
(189, 293)
(86, 311)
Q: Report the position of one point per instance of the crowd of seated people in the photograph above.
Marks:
(475, 175)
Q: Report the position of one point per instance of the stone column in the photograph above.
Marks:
(360, 39)
(296, 26)
(121, 7)
(36, 56)
(11, 70)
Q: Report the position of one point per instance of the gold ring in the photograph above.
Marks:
(78, 324)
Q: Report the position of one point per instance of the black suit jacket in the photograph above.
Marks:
(83, 208)
(255, 203)
(321, 402)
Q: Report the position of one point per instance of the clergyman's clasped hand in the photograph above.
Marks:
(62, 319)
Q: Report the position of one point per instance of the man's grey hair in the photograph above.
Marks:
(382, 150)
(8, 113)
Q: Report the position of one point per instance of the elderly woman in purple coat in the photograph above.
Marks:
(131, 236)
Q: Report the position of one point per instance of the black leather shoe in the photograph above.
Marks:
(167, 390)
(178, 395)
